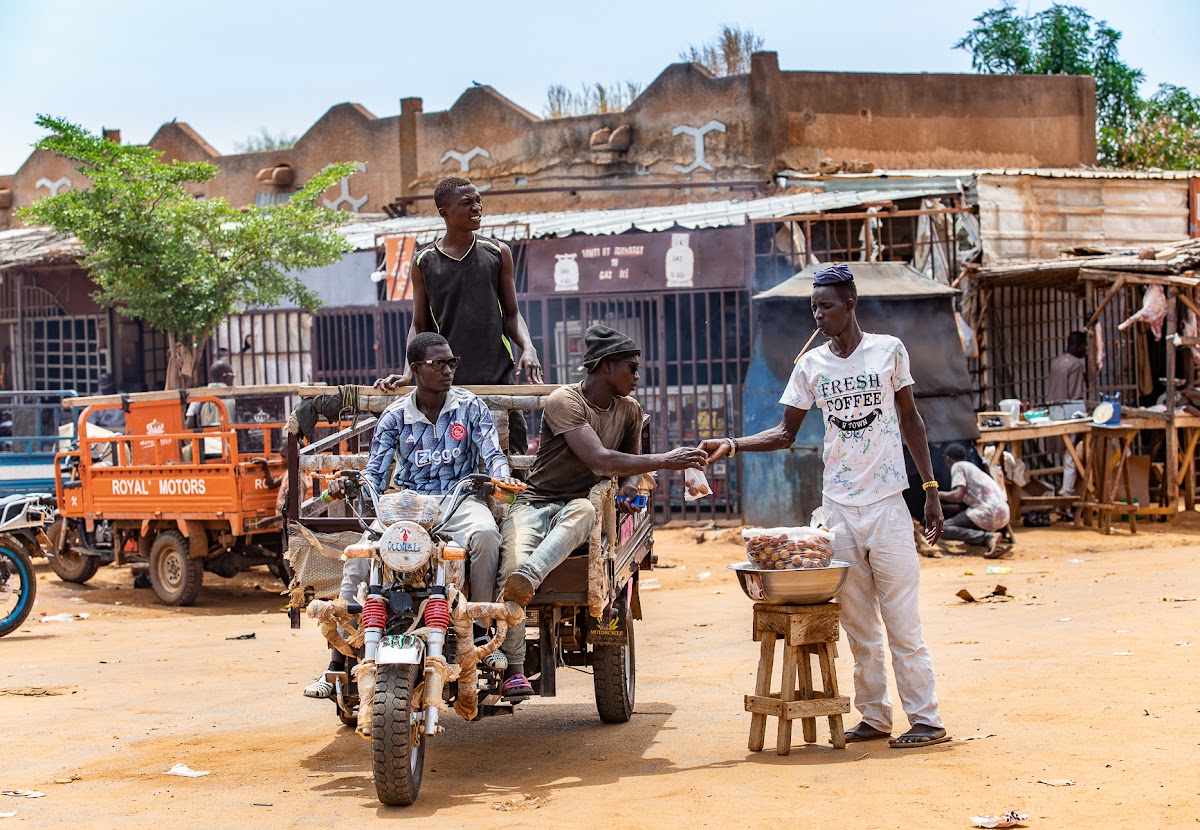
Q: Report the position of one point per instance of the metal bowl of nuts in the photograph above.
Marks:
(796, 586)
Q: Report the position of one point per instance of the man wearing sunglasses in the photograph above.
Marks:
(438, 434)
(590, 431)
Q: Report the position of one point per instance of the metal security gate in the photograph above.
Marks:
(360, 344)
(67, 352)
(695, 351)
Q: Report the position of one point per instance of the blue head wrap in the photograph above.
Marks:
(832, 275)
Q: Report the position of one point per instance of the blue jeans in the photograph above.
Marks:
(535, 539)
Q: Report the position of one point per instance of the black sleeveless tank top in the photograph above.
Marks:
(464, 302)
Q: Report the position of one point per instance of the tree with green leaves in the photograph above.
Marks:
(1063, 39)
(179, 263)
(264, 141)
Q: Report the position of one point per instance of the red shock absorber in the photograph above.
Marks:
(437, 613)
(374, 613)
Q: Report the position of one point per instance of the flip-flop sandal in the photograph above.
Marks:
(1003, 550)
(910, 741)
(516, 688)
(865, 732)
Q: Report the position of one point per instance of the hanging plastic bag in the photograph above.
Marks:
(695, 485)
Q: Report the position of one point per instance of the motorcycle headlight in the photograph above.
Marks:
(405, 546)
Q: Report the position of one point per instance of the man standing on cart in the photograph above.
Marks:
(590, 431)
(464, 288)
(862, 384)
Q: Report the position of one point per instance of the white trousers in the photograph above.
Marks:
(884, 578)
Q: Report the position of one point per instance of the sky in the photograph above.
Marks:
(230, 69)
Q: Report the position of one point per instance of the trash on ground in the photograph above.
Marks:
(64, 617)
(23, 794)
(968, 573)
(999, 569)
(998, 594)
(1179, 599)
(1010, 819)
(72, 778)
(1057, 782)
(1182, 643)
(1064, 619)
(704, 575)
(1122, 654)
(9, 814)
(241, 637)
(976, 737)
(34, 691)
(186, 771)
(1075, 561)
(966, 596)
(520, 802)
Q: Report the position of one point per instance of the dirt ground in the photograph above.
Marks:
(1087, 673)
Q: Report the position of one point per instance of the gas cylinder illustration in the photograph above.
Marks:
(566, 272)
(681, 262)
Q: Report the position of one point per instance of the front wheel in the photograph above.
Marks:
(397, 744)
(175, 576)
(18, 585)
(614, 673)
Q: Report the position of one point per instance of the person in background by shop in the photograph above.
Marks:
(1068, 382)
(984, 505)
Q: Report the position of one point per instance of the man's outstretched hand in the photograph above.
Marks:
(681, 458)
(715, 448)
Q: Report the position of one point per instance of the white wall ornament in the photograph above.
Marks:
(346, 198)
(698, 133)
(54, 186)
(464, 161)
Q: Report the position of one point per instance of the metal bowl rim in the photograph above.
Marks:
(748, 567)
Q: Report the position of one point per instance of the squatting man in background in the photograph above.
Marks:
(438, 435)
(981, 503)
(591, 430)
(862, 384)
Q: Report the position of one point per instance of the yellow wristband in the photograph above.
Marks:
(929, 485)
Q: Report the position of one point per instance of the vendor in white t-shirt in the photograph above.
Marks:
(862, 385)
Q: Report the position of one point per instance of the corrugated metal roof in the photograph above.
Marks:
(1041, 172)
(872, 279)
(720, 214)
(26, 246)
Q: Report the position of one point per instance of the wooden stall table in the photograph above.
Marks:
(1011, 438)
(1109, 451)
(1187, 437)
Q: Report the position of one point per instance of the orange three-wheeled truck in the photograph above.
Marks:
(180, 486)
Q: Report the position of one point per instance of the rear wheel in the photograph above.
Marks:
(397, 744)
(70, 565)
(175, 576)
(18, 585)
(614, 673)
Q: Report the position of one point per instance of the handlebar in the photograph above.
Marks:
(478, 484)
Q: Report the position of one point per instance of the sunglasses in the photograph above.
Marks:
(439, 364)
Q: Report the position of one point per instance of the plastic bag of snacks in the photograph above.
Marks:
(695, 485)
(781, 548)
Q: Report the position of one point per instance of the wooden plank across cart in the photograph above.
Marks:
(1011, 439)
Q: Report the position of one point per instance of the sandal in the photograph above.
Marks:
(320, 688)
(496, 661)
(920, 735)
(516, 688)
(865, 732)
(998, 549)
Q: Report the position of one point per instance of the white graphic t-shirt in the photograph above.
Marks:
(987, 503)
(864, 452)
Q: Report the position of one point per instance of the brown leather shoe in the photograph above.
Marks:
(518, 588)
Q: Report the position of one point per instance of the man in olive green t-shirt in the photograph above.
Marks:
(590, 431)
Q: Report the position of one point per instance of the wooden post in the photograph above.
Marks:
(1172, 461)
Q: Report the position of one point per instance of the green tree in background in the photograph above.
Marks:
(180, 263)
(264, 141)
(1067, 40)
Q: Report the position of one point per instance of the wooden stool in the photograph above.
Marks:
(806, 630)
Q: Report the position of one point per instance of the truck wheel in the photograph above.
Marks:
(18, 585)
(175, 577)
(70, 565)
(397, 744)
(614, 673)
